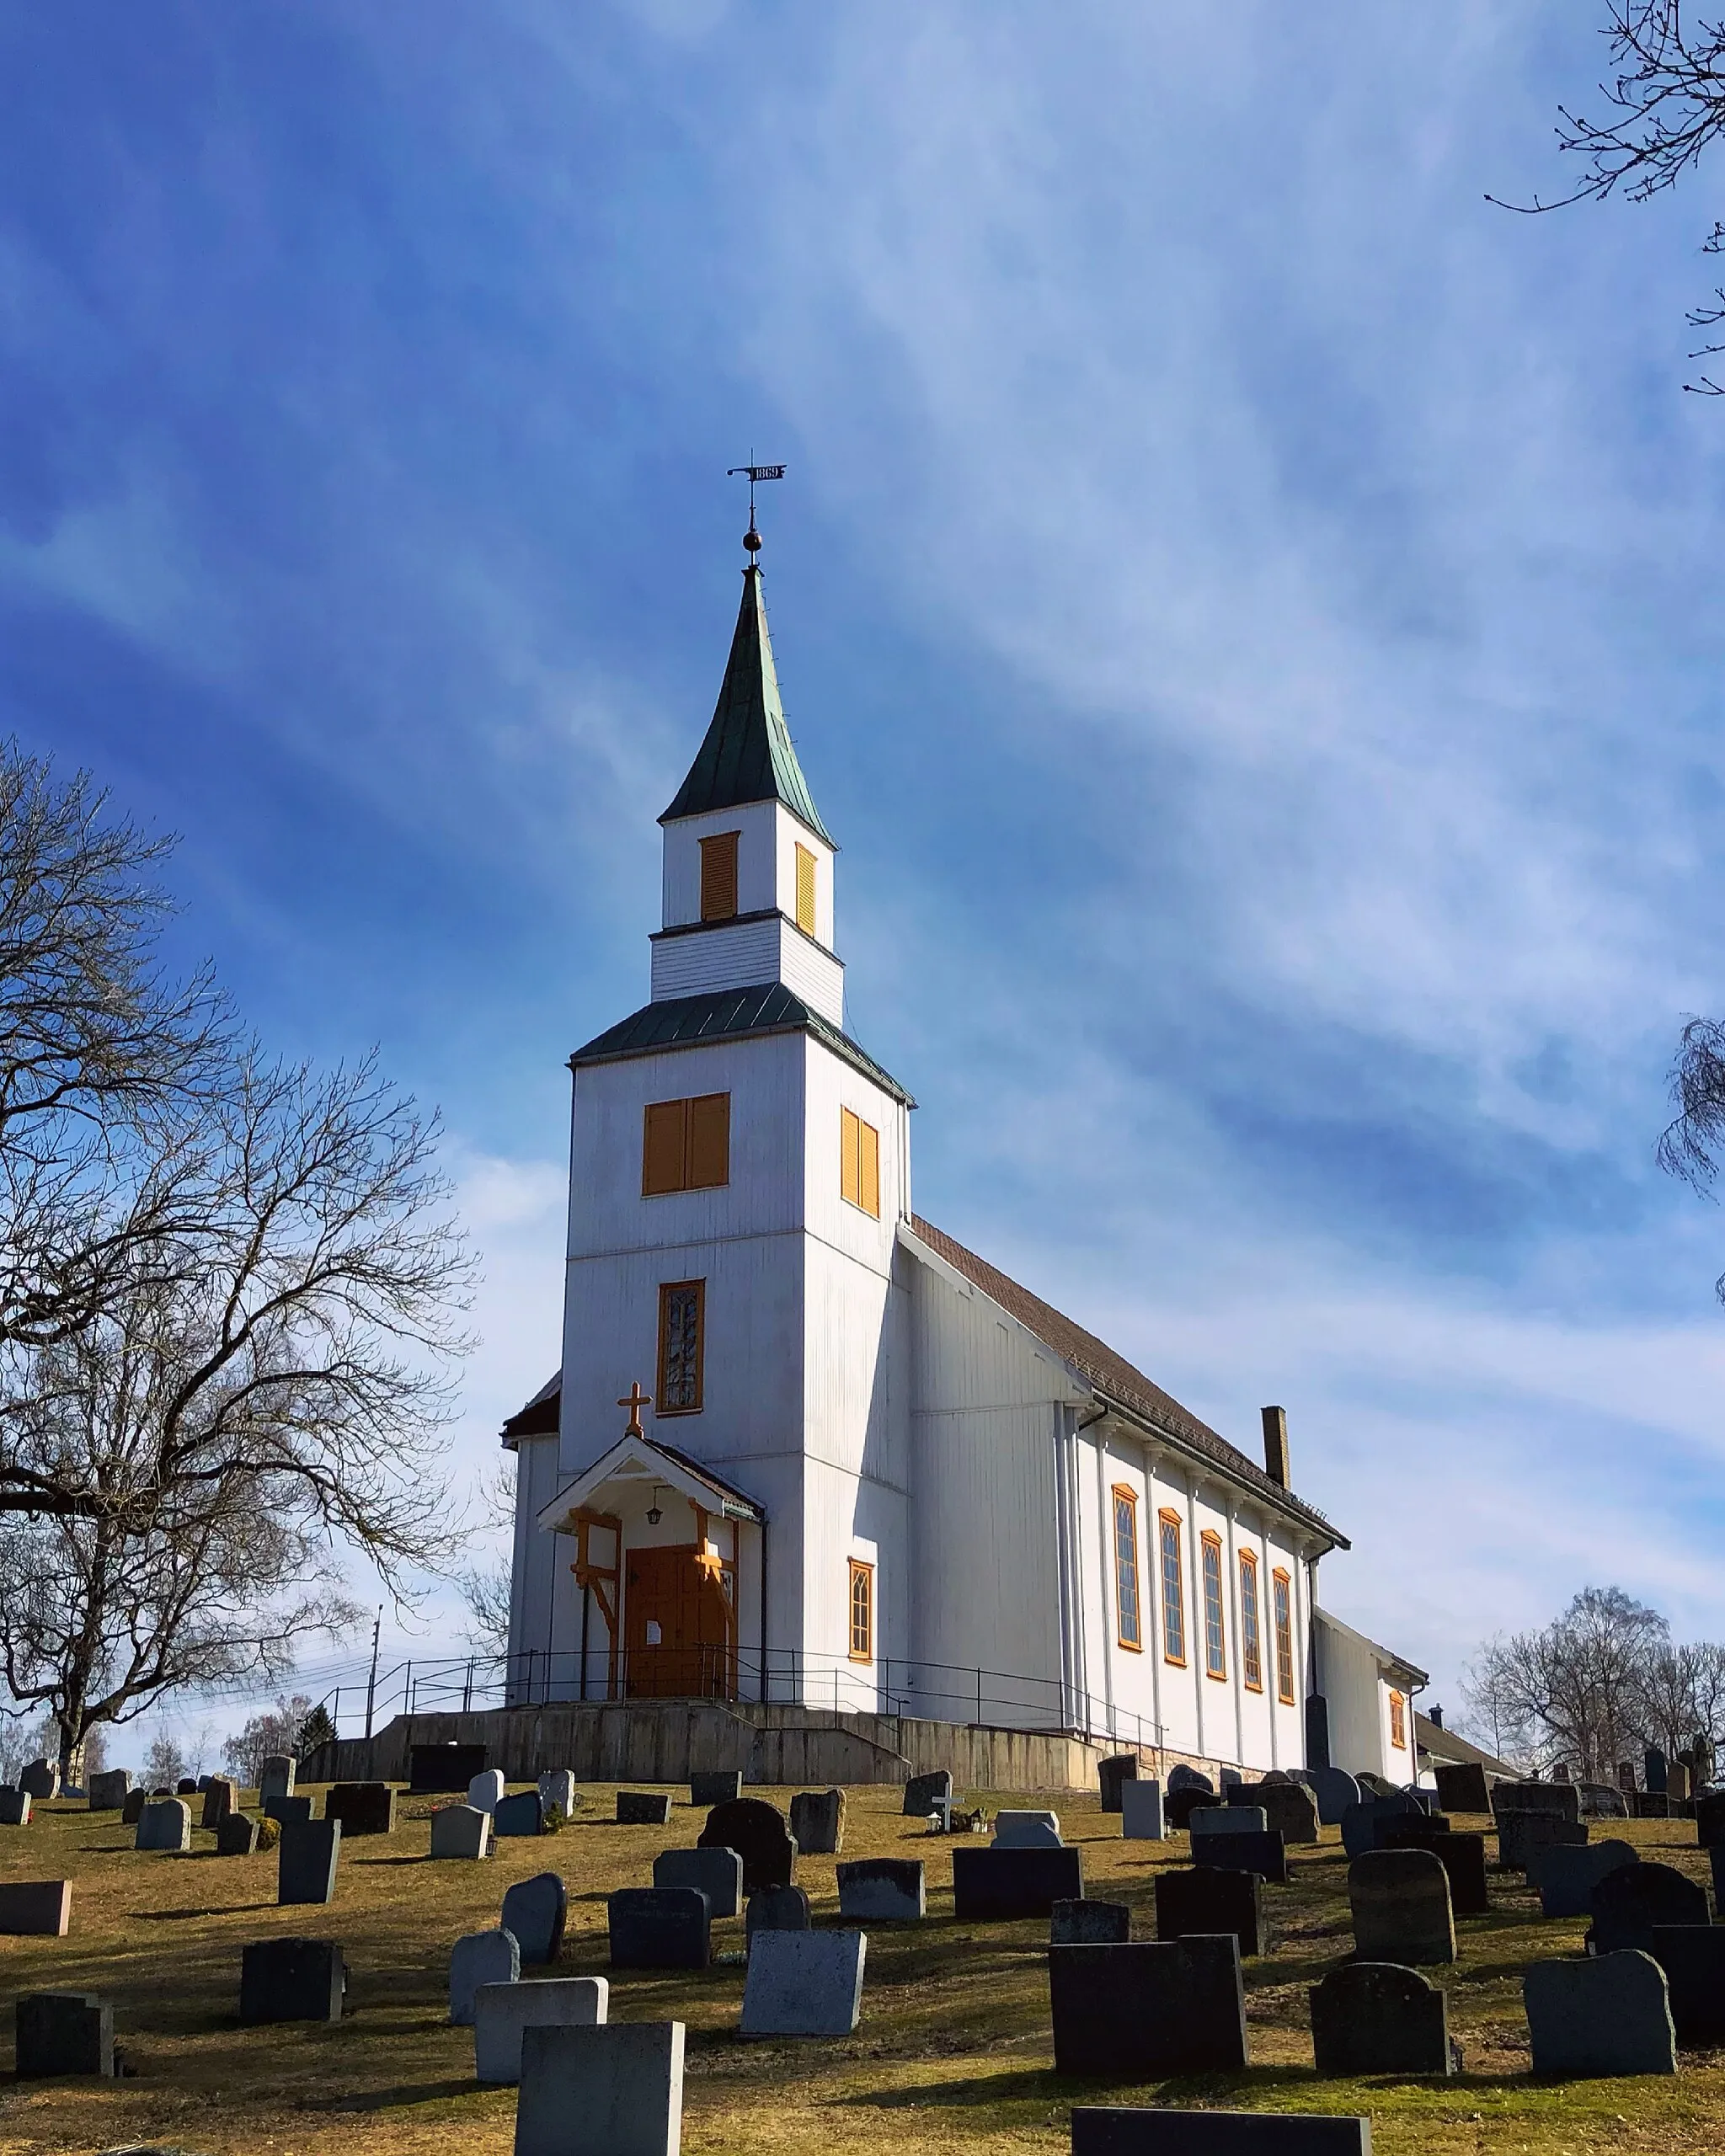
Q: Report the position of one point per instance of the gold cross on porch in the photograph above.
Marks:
(636, 1401)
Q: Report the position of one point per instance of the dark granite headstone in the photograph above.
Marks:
(1334, 1791)
(1139, 2011)
(444, 1770)
(1361, 1822)
(882, 1890)
(362, 1807)
(776, 1909)
(1379, 2017)
(1598, 1800)
(132, 1808)
(1716, 1860)
(35, 1908)
(307, 1860)
(1122, 1767)
(994, 1885)
(220, 1795)
(641, 1807)
(1710, 1818)
(1565, 1878)
(1649, 1805)
(720, 1786)
(818, 1821)
(1289, 1809)
(1178, 1805)
(1099, 2130)
(1181, 1776)
(289, 1811)
(236, 1835)
(1655, 1772)
(1089, 1924)
(1562, 1798)
(921, 1790)
(292, 1980)
(718, 1873)
(659, 1928)
(1521, 1835)
(757, 1832)
(1592, 2020)
(1463, 1857)
(1462, 1787)
(187, 1785)
(1262, 1854)
(1693, 1957)
(1629, 1902)
(1317, 1730)
(523, 1813)
(64, 2032)
(1189, 1903)
(535, 1910)
(1400, 1900)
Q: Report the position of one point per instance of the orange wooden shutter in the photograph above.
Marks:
(868, 1169)
(663, 1147)
(709, 1141)
(805, 890)
(850, 1155)
(718, 876)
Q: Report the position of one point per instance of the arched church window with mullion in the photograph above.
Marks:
(1215, 1650)
(1173, 1580)
(1129, 1613)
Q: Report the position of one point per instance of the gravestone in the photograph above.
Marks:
(290, 1811)
(757, 1832)
(1710, 1818)
(220, 1796)
(132, 1809)
(108, 1789)
(275, 1781)
(1112, 1775)
(1139, 2011)
(993, 1884)
(1229, 1818)
(1400, 1900)
(1565, 1878)
(1594, 2018)
(1652, 1808)
(187, 1785)
(921, 1790)
(615, 2089)
(1181, 1776)
(1677, 1782)
(1562, 1798)
(721, 1786)
(480, 1957)
(15, 1807)
(658, 1928)
(1628, 1903)
(504, 2012)
(41, 1779)
(444, 1770)
(643, 1807)
(1463, 1857)
(1089, 1924)
(521, 1814)
(534, 1914)
(882, 1890)
(1289, 1809)
(35, 1908)
(558, 1792)
(362, 1807)
(1318, 1731)
(818, 1821)
(459, 1830)
(1191, 1902)
(236, 1835)
(292, 1980)
(1334, 1791)
(1141, 1811)
(717, 1874)
(1099, 2130)
(1179, 1805)
(777, 1908)
(1262, 1854)
(1716, 1860)
(1375, 1786)
(165, 1825)
(306, 1860)
(1693, 1957)
(1462, 1787)
(1600, 1801)
(1361, 1822)
(1521, 1835)
(485, 1790)
(805, 1983)
(1027, 1830)
(64, 2032)
(1375, 2017)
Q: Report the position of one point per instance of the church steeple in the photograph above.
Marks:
(747, 755)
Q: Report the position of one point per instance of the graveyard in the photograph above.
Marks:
(953, 2046)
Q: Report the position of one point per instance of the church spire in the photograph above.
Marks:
(747, 755)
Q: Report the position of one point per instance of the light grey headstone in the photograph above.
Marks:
(275, 1781)
(615, 2089)
(461, 1830)
(558, 1788)
(1228, 1819)
(1400, 1900)
(1141, 1811)
(1566, 1878)
(716, 1873)
(805, 1983)
(485, 1791)
(41, 1779)
(166, 1824)
(503, 2012)
(1600, 2018)
(481, 1957)
(108, 1790)
(1027, 1830)
(882, 1890)
(15, 1807)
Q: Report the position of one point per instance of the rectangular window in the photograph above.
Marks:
(1174, 1590)
(805, 890)
(861, 1611)
(1215, 1653)
(1130, 1622)
(1251, 1633)
(859, 1162)
(681, 1310)
(1284, 1638)
(685, 1144)
(1398, 1721)
(718, 876)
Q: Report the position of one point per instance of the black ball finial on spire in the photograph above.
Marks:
(751, 541)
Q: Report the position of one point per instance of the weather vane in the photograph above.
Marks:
(751, 537)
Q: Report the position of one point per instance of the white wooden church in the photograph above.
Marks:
(860, 1469)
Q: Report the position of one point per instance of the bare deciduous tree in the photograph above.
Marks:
(486, 1588)
(1572, 1692)
(271, 1735)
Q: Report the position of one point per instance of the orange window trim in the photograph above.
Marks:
(1398, 1721)
(1216, 1666)
(1129, 1583)
(1282, 1614)
(1250, 1623)
(859, 1163)
(805, 890)
(1177, 1600)
(685, 1144)
(860, 1616)
(669, 1289)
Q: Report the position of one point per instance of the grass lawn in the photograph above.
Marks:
(952, 2052)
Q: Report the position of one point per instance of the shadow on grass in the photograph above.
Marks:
(390, 2100)
(185, 1916)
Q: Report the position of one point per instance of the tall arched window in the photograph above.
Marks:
(1283, 1601)
(1174, 1588)
(1251, 1624)
(1216, 1652)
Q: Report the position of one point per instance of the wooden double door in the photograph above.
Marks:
(677, 1630)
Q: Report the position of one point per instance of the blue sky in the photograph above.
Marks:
(1247, 606)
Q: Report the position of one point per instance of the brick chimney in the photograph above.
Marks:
(1275, 1444)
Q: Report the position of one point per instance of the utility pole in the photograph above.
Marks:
(371, 1681)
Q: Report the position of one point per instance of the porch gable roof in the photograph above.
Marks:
(645, 1460)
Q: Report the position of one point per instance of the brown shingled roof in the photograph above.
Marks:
(1111, 1374)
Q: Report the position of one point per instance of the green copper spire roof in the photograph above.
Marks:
(747, 754)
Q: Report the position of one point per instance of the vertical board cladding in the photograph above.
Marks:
(533, 1579)
(1348, 1678)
